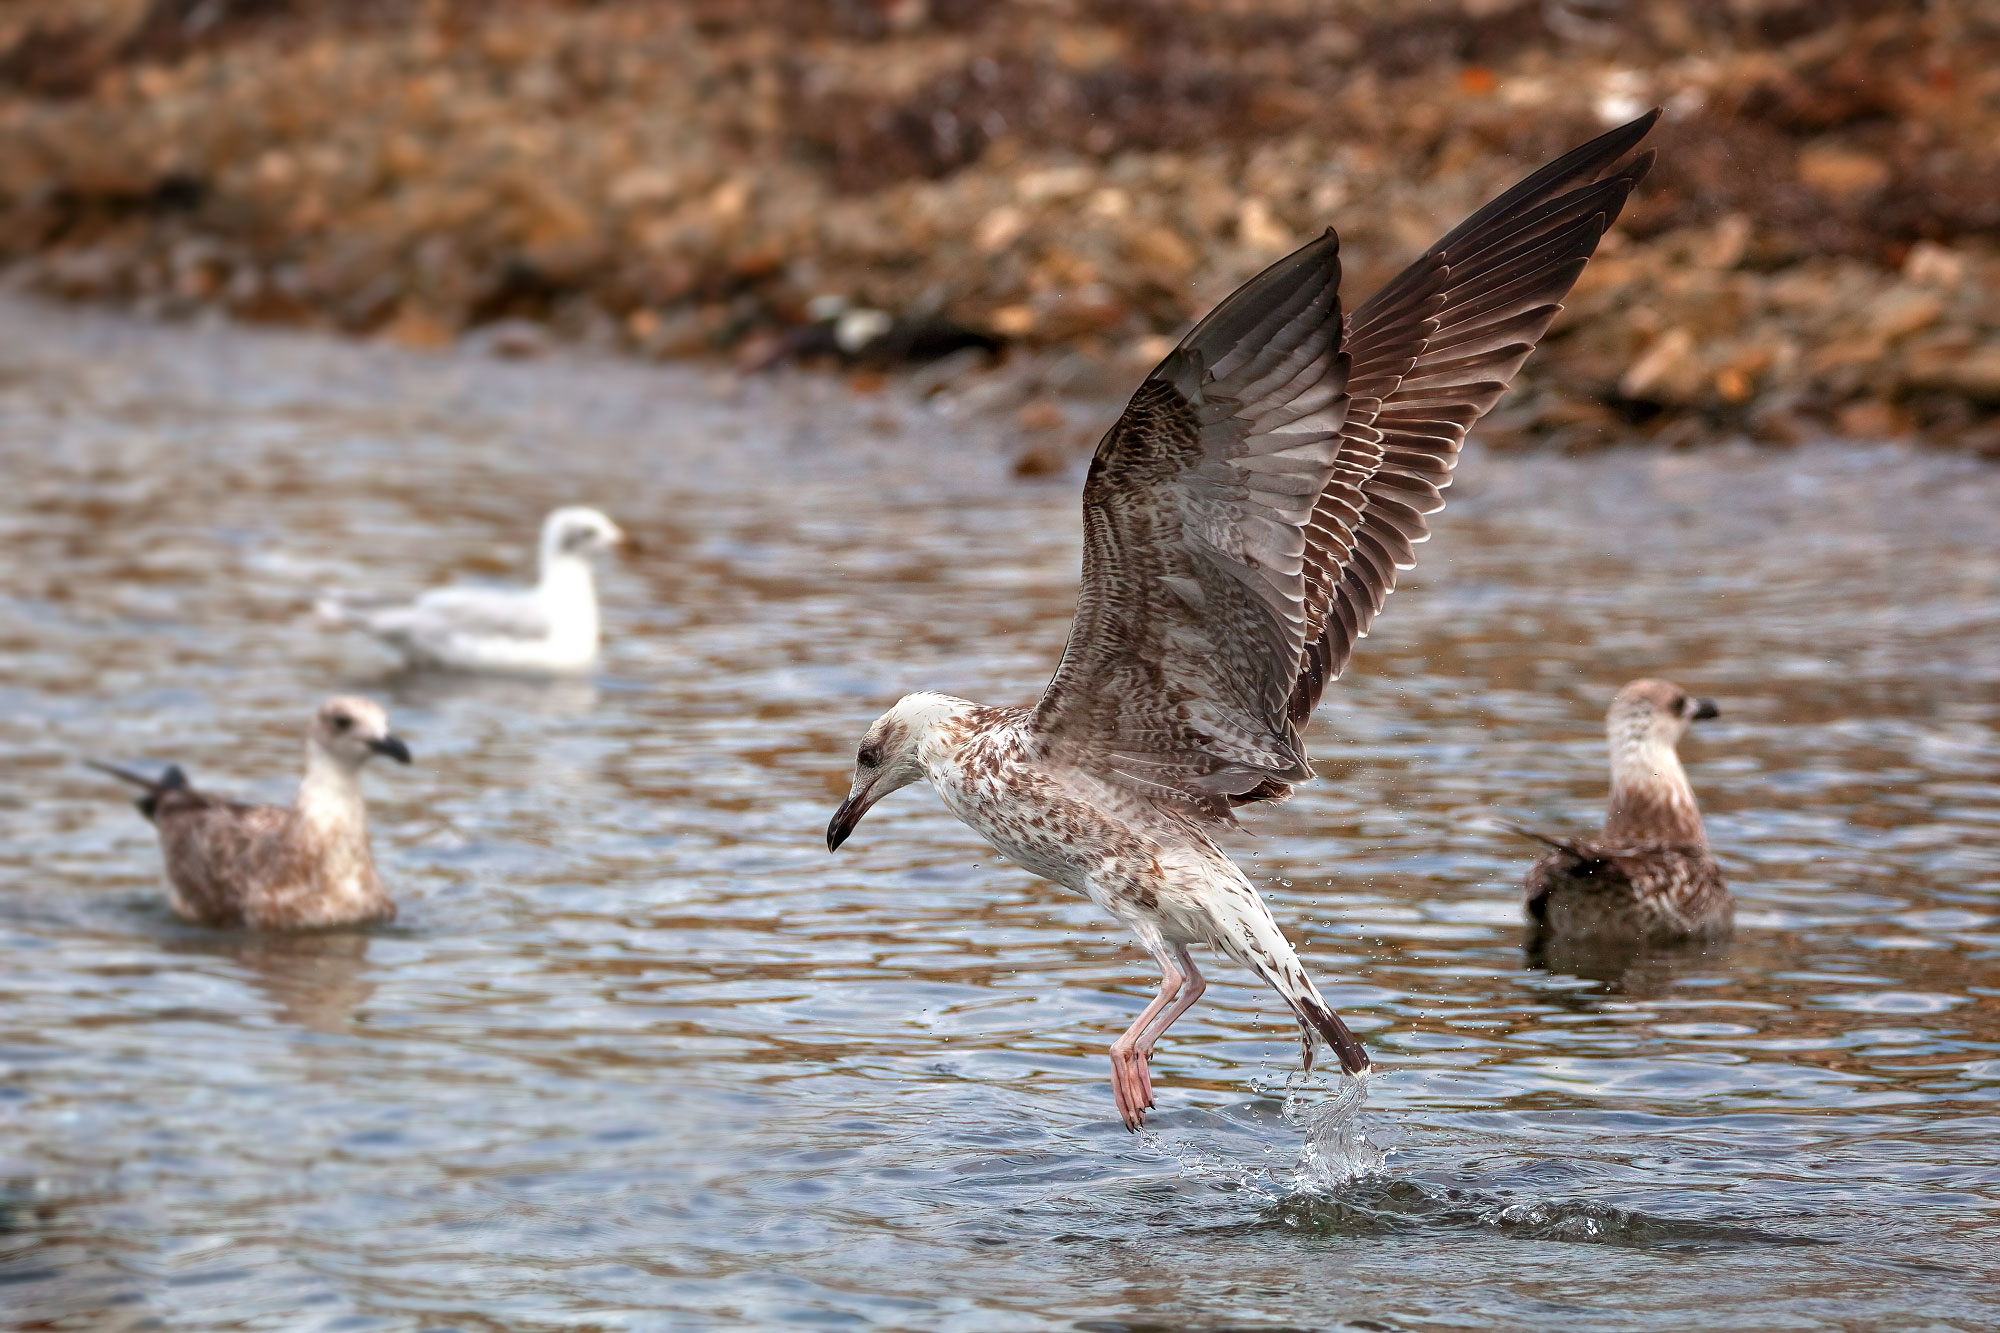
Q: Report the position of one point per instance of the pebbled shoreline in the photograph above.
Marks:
(1814, 257)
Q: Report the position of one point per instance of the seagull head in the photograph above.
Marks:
(351, 731)
(1651, 713)
(896, 752)
(580, 533)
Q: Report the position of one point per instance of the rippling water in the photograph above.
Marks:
(640, 1054)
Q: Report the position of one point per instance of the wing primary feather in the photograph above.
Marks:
(1583, 162)
(1432, 351)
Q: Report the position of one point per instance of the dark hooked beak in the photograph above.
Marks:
(845, 818)
(1705, 708)
(393, 747)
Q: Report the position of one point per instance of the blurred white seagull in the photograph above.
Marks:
(278, 867)
(549, 629)
(1243, 521)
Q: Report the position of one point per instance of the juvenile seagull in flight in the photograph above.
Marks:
(549, 629)
(1243, 521)
(1649, 875)
(277, 867)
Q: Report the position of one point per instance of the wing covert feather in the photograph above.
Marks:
(500, 613)
(1191, 617)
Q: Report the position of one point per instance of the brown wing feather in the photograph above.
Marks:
(1432, 352)
(1632, 890)
(1192, 617)
(220, 853)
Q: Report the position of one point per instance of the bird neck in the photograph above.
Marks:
(329, 799)
(568, 589)
(939, 726)
(1651, 800)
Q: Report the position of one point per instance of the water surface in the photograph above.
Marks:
(640, 1054)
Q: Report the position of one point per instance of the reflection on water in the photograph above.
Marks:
(1641, 969)
(638, 1053)
(316, 982)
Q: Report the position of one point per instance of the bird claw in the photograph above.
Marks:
(1131, 1087)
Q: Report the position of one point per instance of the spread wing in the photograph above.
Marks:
(1247, 515)
(1193, 612)
(1432, 352)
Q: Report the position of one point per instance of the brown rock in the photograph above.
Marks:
(1013, 321)
(1039, 415)
(1725, 247)
(1091, 308)
(1777, 425)
(999, 229)
(1869, 419)
(1041, 460)
(686, 331)
(1935, 266)
(1901, 311)
(416, 327)
(1841, 173)
(1548, 411)
(1666, 371)
(1161, 254)
(1973, 371)
(643, 325)
(1259, 229)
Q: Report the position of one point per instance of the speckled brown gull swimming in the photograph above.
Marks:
(549, 629)
(273, 867)
(1243, 521)
(1649, 875)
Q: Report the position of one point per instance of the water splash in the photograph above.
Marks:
(1325, 1107)
(1220, 1168)
(1337, 1147)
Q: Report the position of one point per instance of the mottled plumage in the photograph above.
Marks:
(1243, 521)
(279, 867)
(1649, 876)
(549, 629)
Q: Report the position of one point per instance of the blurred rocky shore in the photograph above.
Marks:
(1065, 183)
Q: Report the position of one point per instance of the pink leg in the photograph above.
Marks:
(1131, 1084)
(1196, 987)
(1193, 989)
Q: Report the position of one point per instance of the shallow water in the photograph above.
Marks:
(640, 1054)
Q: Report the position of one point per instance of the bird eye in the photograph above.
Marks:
(341, 722)
(869, 756)
(1683, 704)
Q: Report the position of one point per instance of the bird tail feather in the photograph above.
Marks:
(130, 775)
(1255, 941)
(1542, 838)
(171, 779)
